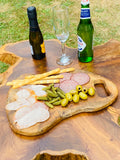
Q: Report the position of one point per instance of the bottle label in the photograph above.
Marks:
(31, 50)
(42, 47)
(81, 44)
(85, 13)
(85, 2)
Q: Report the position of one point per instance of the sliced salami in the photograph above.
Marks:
(68, 85)
(80, 78)
(67, 76)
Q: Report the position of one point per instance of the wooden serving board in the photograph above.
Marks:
(58, 113)
(97, 134)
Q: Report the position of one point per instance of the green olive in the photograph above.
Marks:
(83, 95)
(85, 90)
(74, 92)
(91, 91)
(76, 98)
(64, 102)
(79, 88)
(68, 96)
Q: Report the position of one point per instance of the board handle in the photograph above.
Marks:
(109, 86)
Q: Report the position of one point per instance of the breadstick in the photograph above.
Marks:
(54, 77)
(46, 76)
(67, 70)
(15, 82)
(32, 76)
(61, 71)
(9, 83)
(46, 81)
(50, 77)
(41, 76)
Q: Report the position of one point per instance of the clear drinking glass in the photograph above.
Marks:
(61, 27)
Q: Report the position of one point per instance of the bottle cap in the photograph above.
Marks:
(85, 2)
(31, 12)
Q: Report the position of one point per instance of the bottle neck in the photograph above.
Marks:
(85, 13)
(33, 25)
(33, 22)
(85, 6)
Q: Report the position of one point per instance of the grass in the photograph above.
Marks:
(14, 24)
(3, 67)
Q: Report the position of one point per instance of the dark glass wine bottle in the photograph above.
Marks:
(85, 34)
(35, 36)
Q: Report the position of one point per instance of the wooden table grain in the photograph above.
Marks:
(96, 134)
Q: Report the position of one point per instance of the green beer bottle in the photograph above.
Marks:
(85, 34)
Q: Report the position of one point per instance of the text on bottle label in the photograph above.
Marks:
(85, 13)
(81, 44)
(42, 47)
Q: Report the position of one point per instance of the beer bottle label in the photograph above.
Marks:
(31, 50)
(84, 2)
(42, 47)
(81, 44)
(85, 13)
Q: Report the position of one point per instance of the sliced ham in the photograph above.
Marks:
(20, 102)
(40, 104)
(31, 99)
(68, 85)
(29, 115)
(38, 89)
(25, 109)
(12, 106)
(26, 96)
(80, 78)
(22, 93)
(21, 112)
(17, 104)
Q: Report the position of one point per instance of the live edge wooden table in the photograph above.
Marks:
(95, 134)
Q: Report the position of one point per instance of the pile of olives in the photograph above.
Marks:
(77, 94)
(55, 96)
